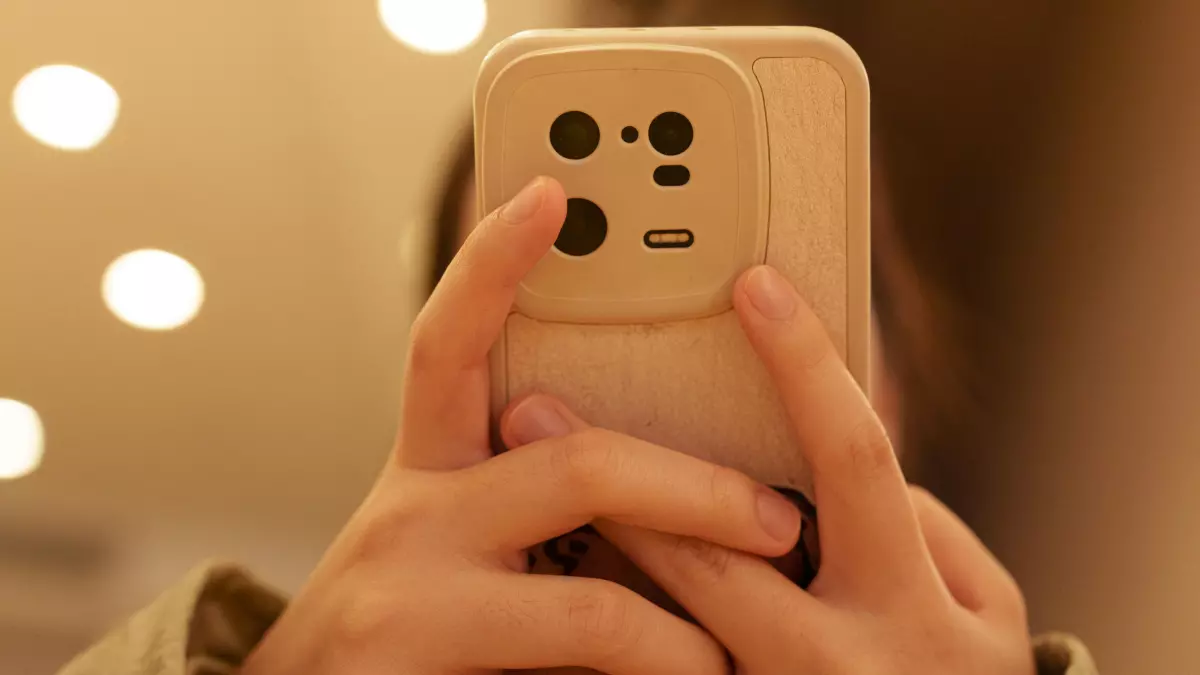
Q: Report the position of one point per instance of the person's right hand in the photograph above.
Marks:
(429, 576)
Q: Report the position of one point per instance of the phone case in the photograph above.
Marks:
(648, 344)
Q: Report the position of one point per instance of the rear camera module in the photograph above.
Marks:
(575, 135)
(584, 230)
(671, 134)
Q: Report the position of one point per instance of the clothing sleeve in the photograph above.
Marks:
(210, 621)
(1061, 654)
(205, 625)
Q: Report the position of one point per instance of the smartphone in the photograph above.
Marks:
(688, 156)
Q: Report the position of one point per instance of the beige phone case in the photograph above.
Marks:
(646, 342)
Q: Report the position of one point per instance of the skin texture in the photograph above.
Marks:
(429, 574)
(940, 604)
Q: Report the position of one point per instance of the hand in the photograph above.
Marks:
(429, 575)
(904, 586)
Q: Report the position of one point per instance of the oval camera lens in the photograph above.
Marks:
(584, 230)
(575, 135)
(671, 133)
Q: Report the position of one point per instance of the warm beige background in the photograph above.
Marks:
(1093, 497)
(288, 149)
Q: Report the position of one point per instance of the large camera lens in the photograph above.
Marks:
(671, 133)
(574, 135)
(584, 230)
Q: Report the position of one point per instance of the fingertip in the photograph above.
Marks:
(554, 204)
(770, 295)
(555, 193)
(536, 417)
(541, 200)
(741, 302)
(505, 422)
(741, 294)
(526, 204)
(513, 238)
(780, 519)
(542, 216)
(773, 313)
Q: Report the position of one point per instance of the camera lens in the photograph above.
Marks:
(584, 229)
(671, 133)
(575, 135)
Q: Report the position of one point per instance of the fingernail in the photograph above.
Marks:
(770, 294)
(536, 419)
(525, 204)
(778, 517)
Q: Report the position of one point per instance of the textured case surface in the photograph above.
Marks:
(696, 385)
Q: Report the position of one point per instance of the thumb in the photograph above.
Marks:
(535, 418)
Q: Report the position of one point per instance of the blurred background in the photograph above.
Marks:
(216, 222)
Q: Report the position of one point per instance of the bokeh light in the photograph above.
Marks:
(435, 26)
(153, 290)
(65, 107)
(21, 439)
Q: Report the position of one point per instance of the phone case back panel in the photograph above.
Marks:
(696, 385)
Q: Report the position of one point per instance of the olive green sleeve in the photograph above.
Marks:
(211, 620)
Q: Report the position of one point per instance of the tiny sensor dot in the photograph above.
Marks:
(629, 134)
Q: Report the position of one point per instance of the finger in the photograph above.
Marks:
(550, 622)
(748, 605)
(972, 574)
(860, 491)
(547, 488)
(444, 418)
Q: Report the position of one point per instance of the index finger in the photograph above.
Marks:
(868, 528)
(444, 414)
(564, 474)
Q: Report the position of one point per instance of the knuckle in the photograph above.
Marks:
(946, 637)
(389, 518)
(924, 503)
(585, 460)
(424, 348)
(378, 538)
(725, 485)
(363, 618)
(511, 612)
(699, 562)
(381, 532)
(601, 617)
(811, 347)
(731, 493)
(921, 497)
(1015, 598)
(868, 450)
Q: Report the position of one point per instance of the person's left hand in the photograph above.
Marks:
(904, 586)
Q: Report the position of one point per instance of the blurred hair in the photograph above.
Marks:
(954, 112)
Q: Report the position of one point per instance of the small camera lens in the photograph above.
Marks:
(584, 230)
(671, 133)
(575, 135)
